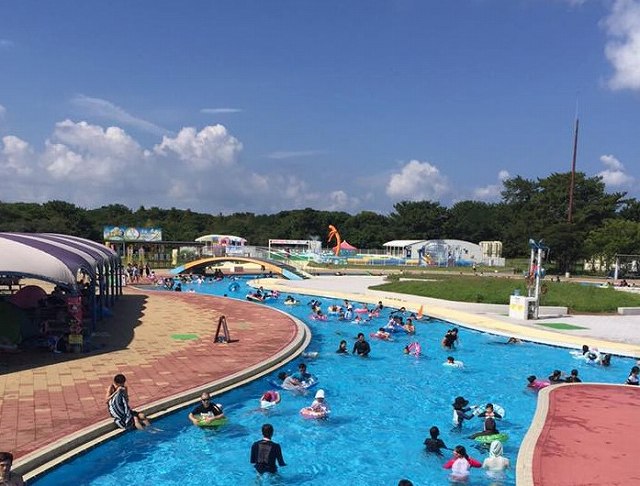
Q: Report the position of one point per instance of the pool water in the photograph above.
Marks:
(382, 409)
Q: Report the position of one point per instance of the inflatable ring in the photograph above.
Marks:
(310, 413)
(488, 439)
(234, 287)
(212, 423)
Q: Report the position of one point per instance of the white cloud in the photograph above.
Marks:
(491, 191)
(105, 109)
(614, 175)
(16, 157)
(286, 154)
(623, 46)
(417, 181)
(218, 111)
(212, 146)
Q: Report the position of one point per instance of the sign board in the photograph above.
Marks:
(122, 233)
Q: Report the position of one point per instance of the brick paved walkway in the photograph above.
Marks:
(43, 403)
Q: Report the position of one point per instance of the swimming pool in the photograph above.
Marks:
(382, 408)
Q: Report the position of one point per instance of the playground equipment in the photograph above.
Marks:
(334, 234)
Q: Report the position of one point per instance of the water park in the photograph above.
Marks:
(211, 337)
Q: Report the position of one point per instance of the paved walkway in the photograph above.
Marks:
(41, 404)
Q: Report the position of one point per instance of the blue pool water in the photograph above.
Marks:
(382, 408)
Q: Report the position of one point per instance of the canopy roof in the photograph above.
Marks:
(53, 257)
(346, 246)
(401, 243)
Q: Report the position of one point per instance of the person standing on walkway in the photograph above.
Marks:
(8, 478)
(265, 453)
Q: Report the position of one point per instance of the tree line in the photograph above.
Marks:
(604, 223)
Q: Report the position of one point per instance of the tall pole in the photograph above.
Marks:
(573, 171)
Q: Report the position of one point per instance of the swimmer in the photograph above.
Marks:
(460, 407)
(535, 384)
(342, 348)
(605, 359)
(633, 376)
(361, 347)
(319, 404)
(382, 334)
(290, 382)
(270, 396)
(513, 340)
(573, 377)
(409, 327)
(460, 464)
(414, 349)
(556, 377)
(206, 410)
(290, 300)
(489, 412)
(302, 375)
(452, 362)
(450, 338)
(490, 428)
(434, 443)
(496, 462)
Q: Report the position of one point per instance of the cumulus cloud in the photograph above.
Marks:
(107, 110)
(491, 191)
(16, 157)
(417, 181)
(290, 154)
(212, 146)
(614, 175)
(623, 46)
(218, 111)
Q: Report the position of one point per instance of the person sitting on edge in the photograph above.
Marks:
(556, 377)
(496, 462)
(460, 407)
(117, 398)
(265, 453)
(434, 443)
(361, 347)
(460, 464)
(8, 478)
(489, 412)
(490, 428)
(206, 410)
(633, 376)
(573, 377)
(342, 348)
(302, 375)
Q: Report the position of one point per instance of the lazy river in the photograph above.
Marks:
(382, 409)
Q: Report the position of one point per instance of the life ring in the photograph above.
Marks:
(362, 310)
(203, 422)
(310, 413)
(234, 287)
(488, 439)
(414, 349)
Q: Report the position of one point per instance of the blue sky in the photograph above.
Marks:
(263, 105)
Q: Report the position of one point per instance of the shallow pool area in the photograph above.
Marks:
(382, 408)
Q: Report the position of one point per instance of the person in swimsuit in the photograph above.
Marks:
(265, 453)
(361, 347)
(342, 349)
(434, 443)
(206, 410)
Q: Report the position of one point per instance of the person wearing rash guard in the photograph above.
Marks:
(556, 377)
(302, 375)
(496, 462)
(265, 452)
(460, 407)
(460, 464)
(573, 377)
(489, 429)
(434, 443)
(342, 349)
(361, 347)
(489, 412)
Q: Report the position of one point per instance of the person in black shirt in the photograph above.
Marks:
(361, 347)
(342, 349)
(265, 452)
(573, 377)
(434, 443)
(206, 407)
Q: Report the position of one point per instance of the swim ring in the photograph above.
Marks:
(310, 413)
(362, 310)
(414, 349)
(269, 399)
(203, 422)
(496, 408)
(488, 439)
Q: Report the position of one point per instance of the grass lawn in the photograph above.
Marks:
(496, 290)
